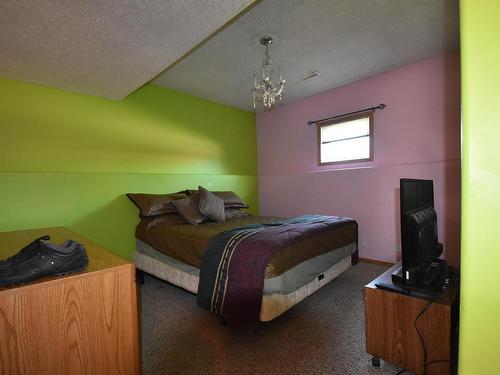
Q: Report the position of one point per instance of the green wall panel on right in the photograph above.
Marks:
(480, 254)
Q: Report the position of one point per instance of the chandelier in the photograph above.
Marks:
(264, 90)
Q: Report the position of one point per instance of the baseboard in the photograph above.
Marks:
(374, 261)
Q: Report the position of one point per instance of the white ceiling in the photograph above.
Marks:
(344, 40)
(105, 48)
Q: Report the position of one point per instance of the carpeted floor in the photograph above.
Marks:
(322, 335)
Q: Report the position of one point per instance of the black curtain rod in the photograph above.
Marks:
(380, 106)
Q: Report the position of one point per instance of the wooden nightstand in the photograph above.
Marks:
(84, 323)
(391, 334)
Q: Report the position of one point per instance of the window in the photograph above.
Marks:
(347, 139)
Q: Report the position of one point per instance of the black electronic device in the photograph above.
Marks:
(420, 249)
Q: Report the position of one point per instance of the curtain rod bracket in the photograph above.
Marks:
(380, 106)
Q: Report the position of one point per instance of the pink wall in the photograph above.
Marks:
(417, 135)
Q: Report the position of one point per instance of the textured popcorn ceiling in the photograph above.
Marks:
(105, 48)
(344, 40)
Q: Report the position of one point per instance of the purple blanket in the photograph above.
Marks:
(233, 266)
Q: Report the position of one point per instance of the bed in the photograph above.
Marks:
(178, 252)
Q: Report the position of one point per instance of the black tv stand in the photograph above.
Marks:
(397, 276)
(433, 275)
(432, 280)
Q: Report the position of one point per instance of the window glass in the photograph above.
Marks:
(346, 140)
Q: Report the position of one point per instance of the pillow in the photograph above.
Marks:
(188, 209)
(210, 205)
(234, 213)
(231, 200)
(155, 204)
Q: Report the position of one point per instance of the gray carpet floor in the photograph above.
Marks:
(324, 334)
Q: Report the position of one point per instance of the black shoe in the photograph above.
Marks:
(48, 260)
(24, 253)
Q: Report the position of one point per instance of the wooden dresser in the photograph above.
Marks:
(84, 323)
(391, 334)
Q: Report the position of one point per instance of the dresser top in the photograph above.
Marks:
(99, 258)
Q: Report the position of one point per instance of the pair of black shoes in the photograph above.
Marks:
(41, 258)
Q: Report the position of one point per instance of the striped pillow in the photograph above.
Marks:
(188, 209)
(211, 205)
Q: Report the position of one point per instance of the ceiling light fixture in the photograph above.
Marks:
(264, 90)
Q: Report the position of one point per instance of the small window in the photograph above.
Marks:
(348, 139)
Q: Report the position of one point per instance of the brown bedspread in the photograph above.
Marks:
(170, 235)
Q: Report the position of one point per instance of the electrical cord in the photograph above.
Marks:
(422, 343)
(426, 307)
(436, 361)
(426, 364)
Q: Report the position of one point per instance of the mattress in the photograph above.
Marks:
(186, 243)
(275, 301)
(285, 283)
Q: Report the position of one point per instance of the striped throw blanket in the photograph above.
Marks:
(233, 266)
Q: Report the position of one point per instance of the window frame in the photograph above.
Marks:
(368, 114)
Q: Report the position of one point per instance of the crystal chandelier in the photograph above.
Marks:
(264, 90)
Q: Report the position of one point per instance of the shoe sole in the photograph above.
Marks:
(39, 277)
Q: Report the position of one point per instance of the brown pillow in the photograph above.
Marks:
(234, 213)
(231, 200)
(210, 205)
(188, 209)
(155, 204)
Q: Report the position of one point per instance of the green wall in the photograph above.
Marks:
(480, 254)
(68, 159)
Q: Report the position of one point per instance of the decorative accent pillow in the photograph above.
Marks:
(188, 209)
(155, 204)
(211, 205)
(231, 200)
(234, 213)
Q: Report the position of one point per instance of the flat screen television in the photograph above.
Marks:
(420, 248)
